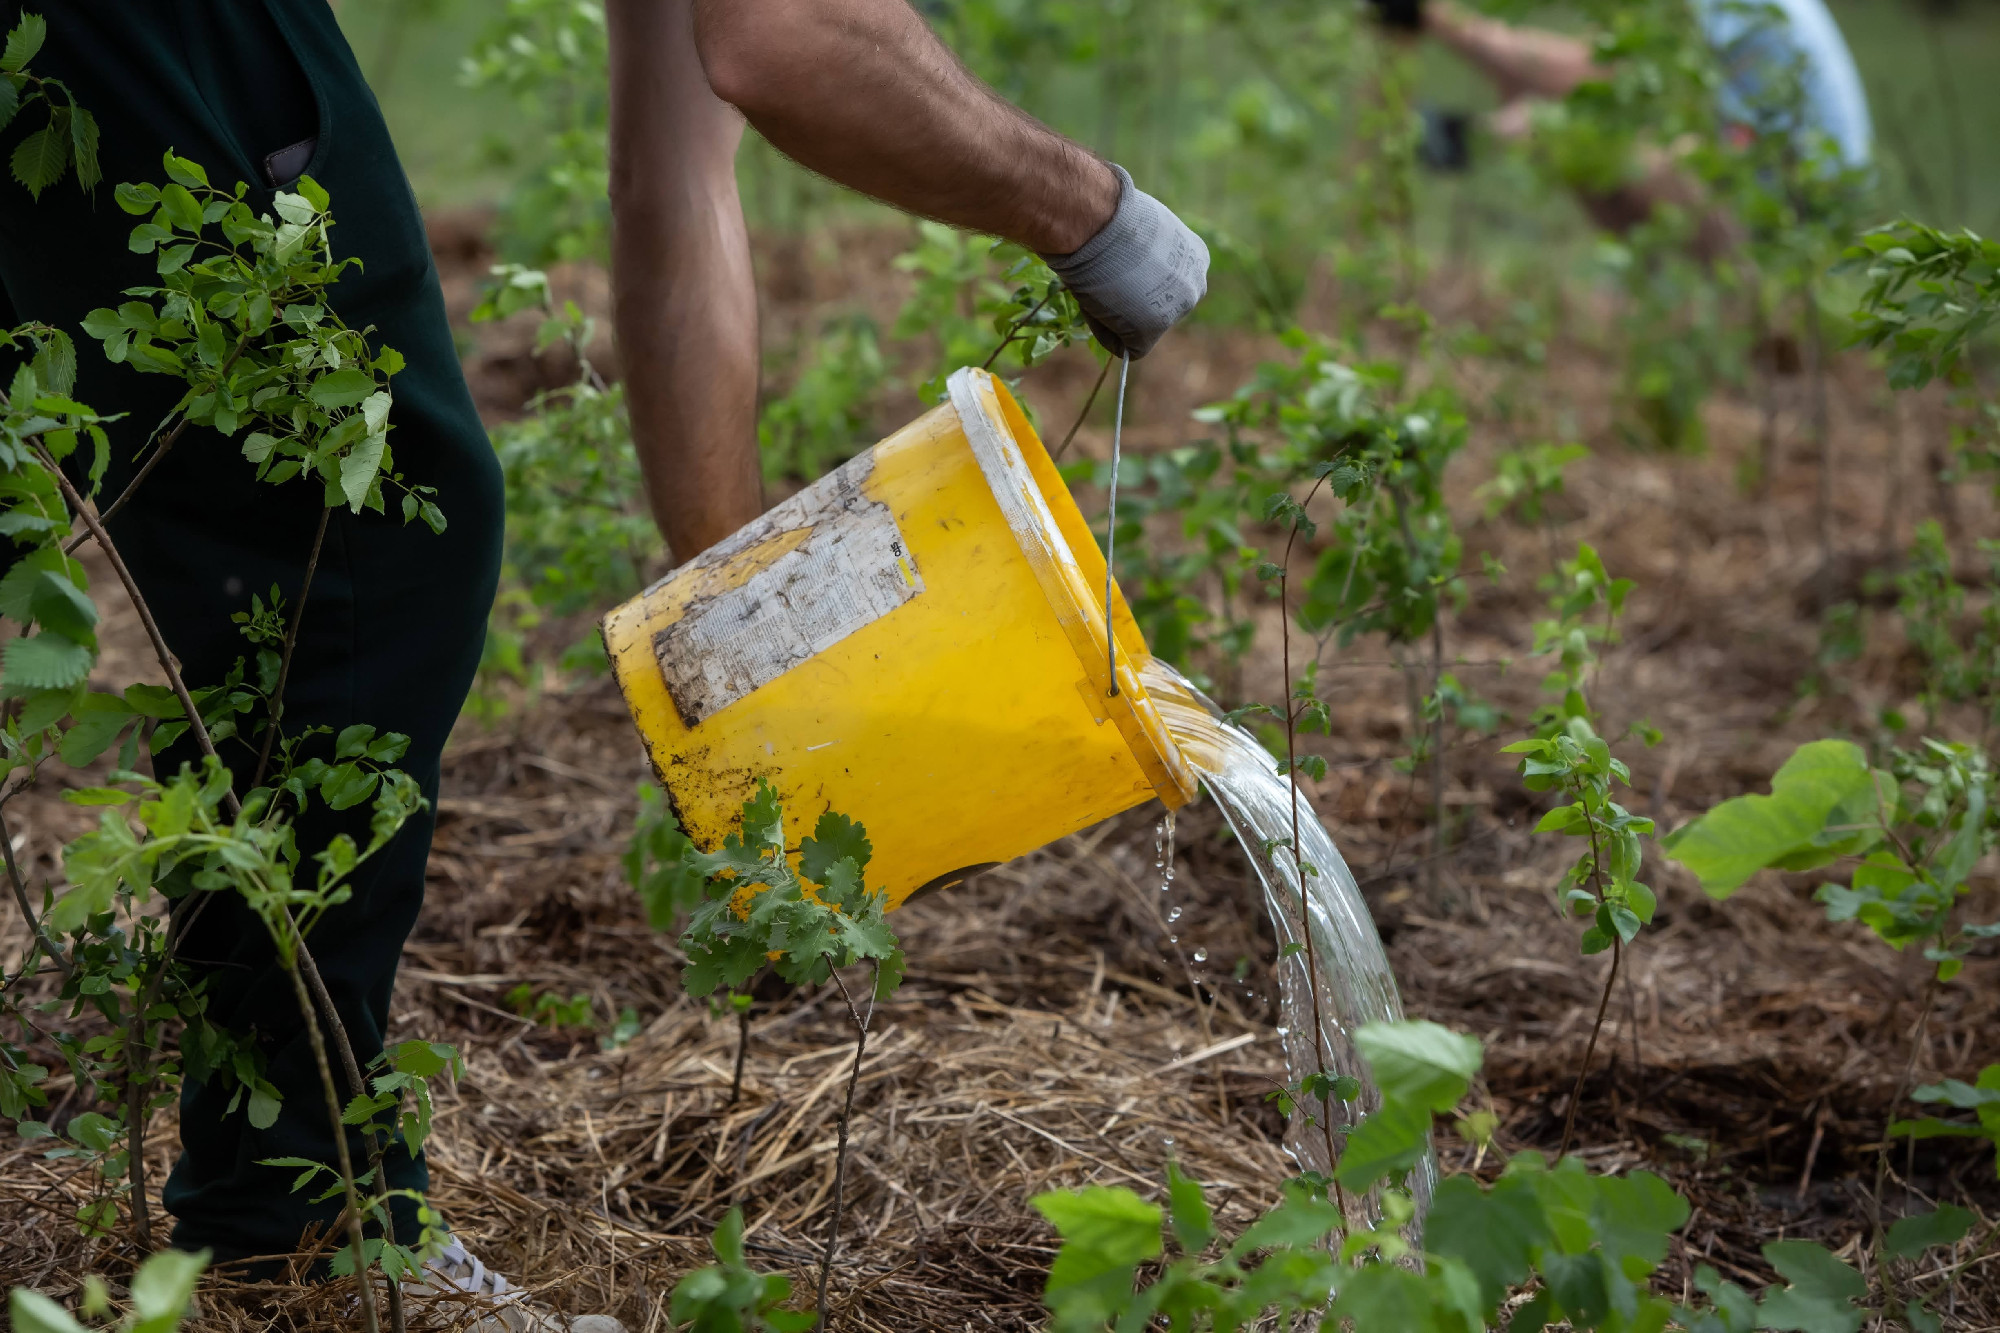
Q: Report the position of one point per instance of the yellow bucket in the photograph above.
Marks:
(916, 640)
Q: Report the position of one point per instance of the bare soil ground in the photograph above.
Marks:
(1054, 1031)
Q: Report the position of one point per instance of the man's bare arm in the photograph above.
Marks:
(684, 300)
(863, 92)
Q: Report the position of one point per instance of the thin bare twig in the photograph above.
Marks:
(377, 1142)
(1014, 331)
(277, 708)
(146, 470)
(159, 642)
(1583, 1070)
(1083, 415)
(742, 1050)
(1298, 860)
(861, 1020)
(20, 887)
(354, 1237)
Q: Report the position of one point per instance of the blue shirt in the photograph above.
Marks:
(1753, 49)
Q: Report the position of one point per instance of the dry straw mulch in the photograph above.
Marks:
(1056, 1026)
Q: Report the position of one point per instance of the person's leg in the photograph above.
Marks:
(395, 617)
(392, 631)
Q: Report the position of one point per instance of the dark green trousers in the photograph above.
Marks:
(394, 623)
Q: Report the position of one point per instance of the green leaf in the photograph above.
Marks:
(181, 208)
(163, 1286)
(1194, 1224)
(352, 742)
(1109, 1221)
(1634, 1216)
(1419, 1062)
(1536, 1315)
(1580, 1284)
(95, 1131)
(346, 786)
(1491, 1233)
(1822, 1293)
(1736, 839)
(55, 362)
(1384, 1297)
(61, 606)
(39, 158)
(1564, 818)
(1301, 1218)
(358, 469)
(314, 193)
(341, 388)
(137, 199)
(97, 796)
(889, 975)
(835, 837)
(264, 1106)
(32, 1312)
(83, 143)
(183, 170)
(24, 42)
(10, 102)
(1911, 1236)
(44, 662)
(99, 720)
(1391, 1140)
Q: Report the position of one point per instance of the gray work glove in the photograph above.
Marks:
(1139, 276)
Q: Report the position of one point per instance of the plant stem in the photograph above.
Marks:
(138, 1091)
(145, 471)
(277, 708)
(1437, 752)
(1292, 779)
(1416, 712)
(861, 1021)
(1822, 438)
(1081, 416)
(166, 659)
(167, 443)
(34, 922)
(354, 1237)
(1882, 1153)
(1014, 331)
(1767, 397)
(742, 1049)
(1576, 1092)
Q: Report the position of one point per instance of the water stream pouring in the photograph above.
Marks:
(928, 641)
(1350, 971)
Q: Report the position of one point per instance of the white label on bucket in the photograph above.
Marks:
(851, 569)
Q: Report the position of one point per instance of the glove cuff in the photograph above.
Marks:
(1107, 236)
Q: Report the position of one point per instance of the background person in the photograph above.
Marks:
(1526, 65)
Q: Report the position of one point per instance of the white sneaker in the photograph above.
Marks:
(455, 1271)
